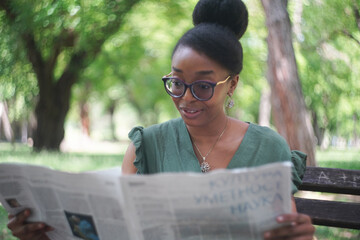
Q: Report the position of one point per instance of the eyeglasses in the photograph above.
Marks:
(202, 90)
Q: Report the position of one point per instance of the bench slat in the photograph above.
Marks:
(331, 180)
(330, 213)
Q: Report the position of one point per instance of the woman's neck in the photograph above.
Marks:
(209, 132)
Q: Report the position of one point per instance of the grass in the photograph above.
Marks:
(346, 159)
(77, 162)
(74, 162)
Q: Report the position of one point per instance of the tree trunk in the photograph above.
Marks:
(289, 111)
(111, 110)
(85, 118)
(24, 132)
(265, 108)
(319, 132)
(5, 122)
(355, 130)
(54, 94)
(50, 112)
(85, 108)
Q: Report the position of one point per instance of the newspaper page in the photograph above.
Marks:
(223, 204)
(103, 205)
(77, 205)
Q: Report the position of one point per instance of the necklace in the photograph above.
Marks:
(205, 166)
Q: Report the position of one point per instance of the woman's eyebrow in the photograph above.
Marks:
(202, 72)
(205, 72)
(176, 69)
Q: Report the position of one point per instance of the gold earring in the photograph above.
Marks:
(230, 102)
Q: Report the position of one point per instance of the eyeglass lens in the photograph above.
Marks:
(201, 90)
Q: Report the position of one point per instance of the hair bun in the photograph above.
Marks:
(229, 13)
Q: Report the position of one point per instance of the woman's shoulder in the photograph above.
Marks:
(159, 128)
(256, 131)
(266, 134)
(164, 126)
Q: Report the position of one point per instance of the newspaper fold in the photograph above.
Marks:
(103, 205)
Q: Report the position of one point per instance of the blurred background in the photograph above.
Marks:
(90, 71)
(76, 76)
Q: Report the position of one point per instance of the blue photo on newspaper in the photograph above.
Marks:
(82, 226)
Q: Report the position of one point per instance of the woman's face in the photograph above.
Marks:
(190, 66)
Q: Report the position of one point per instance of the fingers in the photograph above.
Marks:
(297, 218)
(18, 219)
(291, 232)
(297, 227)
(28, 228)
(27, 231)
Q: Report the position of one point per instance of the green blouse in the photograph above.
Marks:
(167, 147)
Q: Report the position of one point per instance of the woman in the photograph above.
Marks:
(206, 63)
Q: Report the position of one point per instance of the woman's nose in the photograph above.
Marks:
(188, 95)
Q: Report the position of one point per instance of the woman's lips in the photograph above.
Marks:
(190, 112)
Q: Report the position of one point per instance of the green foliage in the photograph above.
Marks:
(132, 62)
(329, 66)
(60, 39)
(17, 81)
(331, 233)
(5, 233)
(252, 78)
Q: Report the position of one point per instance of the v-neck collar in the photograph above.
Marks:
(235, 162)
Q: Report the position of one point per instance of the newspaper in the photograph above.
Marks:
(104, 205)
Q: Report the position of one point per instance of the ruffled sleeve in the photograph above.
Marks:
(298, 160)
(136, 136)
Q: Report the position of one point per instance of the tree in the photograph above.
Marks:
(329, 49)
(146, 44)
(18, 85)
(61, 38)
(289, 110)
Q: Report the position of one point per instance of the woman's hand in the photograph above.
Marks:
(299, 227)
(27, 231)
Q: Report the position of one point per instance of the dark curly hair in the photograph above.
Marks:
(218, 26)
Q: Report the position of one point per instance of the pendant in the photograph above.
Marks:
(205, 167)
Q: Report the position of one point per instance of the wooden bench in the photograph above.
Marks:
(331, 213)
